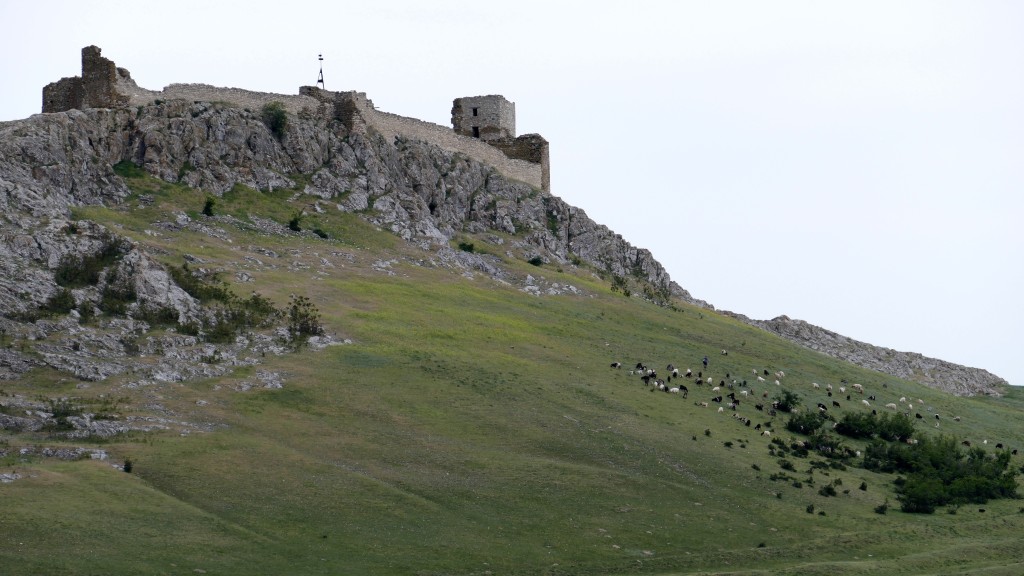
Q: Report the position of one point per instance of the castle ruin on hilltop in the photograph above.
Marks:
(483, 127)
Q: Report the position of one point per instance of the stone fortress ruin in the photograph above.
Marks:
(483, 127)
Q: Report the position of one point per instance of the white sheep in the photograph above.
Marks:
(711, 380)
(721, 409)
(716, 389)
(815, 385)
(865, 402)
(673, 390)
(842, 389)
(892, 405)
(777, 383)
(903, 399)
(759, 378)
(766, 433)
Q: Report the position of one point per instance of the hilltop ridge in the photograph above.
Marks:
(423, 182)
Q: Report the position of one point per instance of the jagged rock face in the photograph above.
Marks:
(952, 378)
(50, 163)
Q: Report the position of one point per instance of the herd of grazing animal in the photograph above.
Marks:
(725, 394)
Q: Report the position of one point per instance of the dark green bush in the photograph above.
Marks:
(940, 472)
(203, 289)
(208, 206)
(536, 260)
(786, 400)
(128, 169)
(276, 118)
(61, 302)
(75, 271)
(466, 246)
(303, 318)
(294, 223)
(805, 423)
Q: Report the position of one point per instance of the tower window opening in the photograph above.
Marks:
(476, 131)
(476, 111)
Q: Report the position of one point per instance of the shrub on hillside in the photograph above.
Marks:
(805, 423)
(275, 117)
(303, 318)
(939, 472)
(786, 400)
(74, 271)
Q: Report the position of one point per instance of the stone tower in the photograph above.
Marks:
(485, 117)
(95, 88)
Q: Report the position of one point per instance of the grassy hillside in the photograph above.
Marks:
(472, 428)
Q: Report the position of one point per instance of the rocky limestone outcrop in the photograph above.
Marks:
(931, 372)
(50, 163)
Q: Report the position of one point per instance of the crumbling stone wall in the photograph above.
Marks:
(103, 85)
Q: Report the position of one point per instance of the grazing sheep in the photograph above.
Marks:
(673, 390)
(835, 404)
(815, 385)
(865, 402)
(918, 415)
(711, 380)
(721, 409)
(777, 383)
(937, 417)
(725, 352)
(766, 433)
(842, 389)
(689, 373)
(956, 418)
(999, 446)
(903, 399)
(716, 389)
(892, 405)
(616, 364)
(966, 443)
(858, 388)
(760, 379)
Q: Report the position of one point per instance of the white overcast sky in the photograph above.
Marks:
(858, 165)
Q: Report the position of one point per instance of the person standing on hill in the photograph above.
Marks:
(705, 362)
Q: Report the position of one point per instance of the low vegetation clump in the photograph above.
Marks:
(303, 318)
(61, 302)
(939, 472)
(229, 314)
(786, 401)
(128, 169)
(892, 427)
(75, 271)
(275, 117)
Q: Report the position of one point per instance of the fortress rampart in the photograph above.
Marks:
(494, 143)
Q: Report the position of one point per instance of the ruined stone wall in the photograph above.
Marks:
(103, 85)
(99, 81)
(206, 93)
(391, 125)
(532, 148)
(64, 94)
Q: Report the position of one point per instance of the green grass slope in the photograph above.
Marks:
(473, 428)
